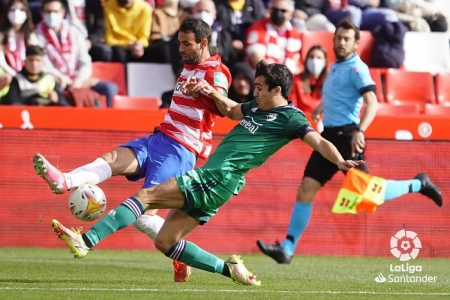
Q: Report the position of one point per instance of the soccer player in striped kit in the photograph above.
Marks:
(183, 136)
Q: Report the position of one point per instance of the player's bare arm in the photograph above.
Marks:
(370, 111)
(227, 107)
(329, 151)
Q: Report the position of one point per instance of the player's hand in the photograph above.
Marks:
(204, 87)
(346, 165)
(358, 142)
(316, 113)
(187, 88)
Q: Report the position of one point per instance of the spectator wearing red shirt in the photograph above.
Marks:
(274, 39)
(306, 91)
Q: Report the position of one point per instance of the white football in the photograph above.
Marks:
(87, 202)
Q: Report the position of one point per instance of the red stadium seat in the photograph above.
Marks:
(386, 109)
(323, 38)
(443, 88)
(113, 72)
(437, 110)
(366, 42)
(409, 87)
(128, 102)
(376, 76)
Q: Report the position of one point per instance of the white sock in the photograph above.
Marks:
(149, 225)
(95, 172)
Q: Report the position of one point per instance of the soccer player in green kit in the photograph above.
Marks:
(267, 124)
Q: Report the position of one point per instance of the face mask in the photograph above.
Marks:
(17, 17)
(277, 17)
(53, 20)
(315, 65)
(205, 16)
(122, 2)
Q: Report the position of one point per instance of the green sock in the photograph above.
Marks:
(116, 219)
(193, 255)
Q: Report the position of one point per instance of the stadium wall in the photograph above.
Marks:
(261, 211)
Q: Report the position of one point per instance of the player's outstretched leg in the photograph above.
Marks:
(54, 177)
(275, 251)
(429, 189)
(72, 238)
(239, 273)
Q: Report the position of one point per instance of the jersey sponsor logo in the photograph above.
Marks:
(272, 117)
(220, 80)
(251, 126)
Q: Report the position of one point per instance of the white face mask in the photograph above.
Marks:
(17, 17)
(315, 65)
(53, 20)
(205, 16)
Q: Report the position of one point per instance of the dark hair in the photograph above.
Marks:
(306, 73)
(5, 24)
(348, 24)
(198, 27)
(50, 1)
(34, 50)
(275, 75)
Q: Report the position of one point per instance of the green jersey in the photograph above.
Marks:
(257, 137)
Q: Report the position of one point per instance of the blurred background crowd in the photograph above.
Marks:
(48, 46)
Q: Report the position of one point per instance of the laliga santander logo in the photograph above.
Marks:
(405, 245)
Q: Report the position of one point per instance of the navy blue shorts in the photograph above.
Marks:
(160, 158)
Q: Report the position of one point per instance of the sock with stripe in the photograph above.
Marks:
(299, 220)
(118, 218)
(194, 256)
(397, 188)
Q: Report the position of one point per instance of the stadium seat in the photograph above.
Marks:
(113, 72)
(128, 102)
(426, 52)
(149, 79)
(376, 76)
(323, 38)
(437, 110)
(366, 42)
(386, 109)
(409, 87)
(443, 88)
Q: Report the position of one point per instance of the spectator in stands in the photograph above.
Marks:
(5, 81)
(236, 16)
(88, 17)
(306, 91)
(128, 24)
(16, 28)
(419, 15)
(308, 16)
(67, 53)
(243, 83)
(166, 20)
(365, 14)
(274, 39)
(32, 86)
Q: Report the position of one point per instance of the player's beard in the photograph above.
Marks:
(195, 58)
(342, 56)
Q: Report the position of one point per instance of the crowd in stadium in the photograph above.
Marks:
(48, 46)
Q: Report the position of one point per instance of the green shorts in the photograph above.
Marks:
(205, 190)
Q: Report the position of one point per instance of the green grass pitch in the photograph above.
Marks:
(28, 273)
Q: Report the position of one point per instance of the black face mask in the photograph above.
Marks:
(122, 2)
(277, 17)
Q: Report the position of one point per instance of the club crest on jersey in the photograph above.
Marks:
(272, 117)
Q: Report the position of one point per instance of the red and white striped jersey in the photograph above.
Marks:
(190, 120)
